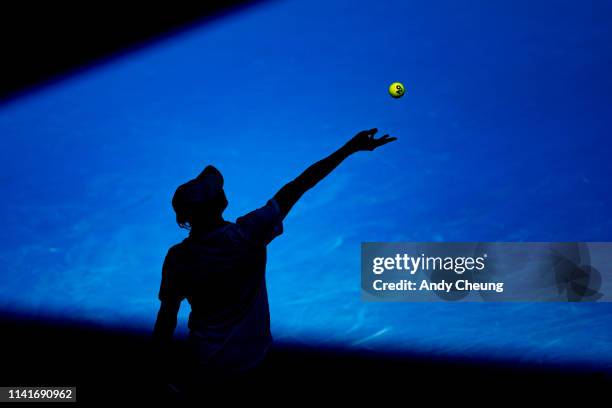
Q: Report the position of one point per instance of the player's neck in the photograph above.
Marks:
(208, 226)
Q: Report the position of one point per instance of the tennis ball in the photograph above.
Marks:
(396, 90)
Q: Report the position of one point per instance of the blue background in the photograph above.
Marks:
(503, 136)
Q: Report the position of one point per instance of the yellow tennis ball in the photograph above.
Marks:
(396, 90)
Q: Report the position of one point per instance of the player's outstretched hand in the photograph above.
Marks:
(365, 140)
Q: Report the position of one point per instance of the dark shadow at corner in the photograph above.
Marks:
(48, 41)
(108, 365)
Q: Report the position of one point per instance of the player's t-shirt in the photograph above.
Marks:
(222, 275)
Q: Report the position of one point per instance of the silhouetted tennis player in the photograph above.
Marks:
(220, 267)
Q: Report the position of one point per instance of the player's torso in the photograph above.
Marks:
(222, 273)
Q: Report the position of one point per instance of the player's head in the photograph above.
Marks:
(200, 201)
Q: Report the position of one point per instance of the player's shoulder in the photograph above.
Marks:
(218, 237)
(233, 231)
(176, 249)
(270, 210)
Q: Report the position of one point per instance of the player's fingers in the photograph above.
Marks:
(372, 132)
(386, 139)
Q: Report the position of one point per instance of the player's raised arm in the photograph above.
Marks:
(287, 196)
